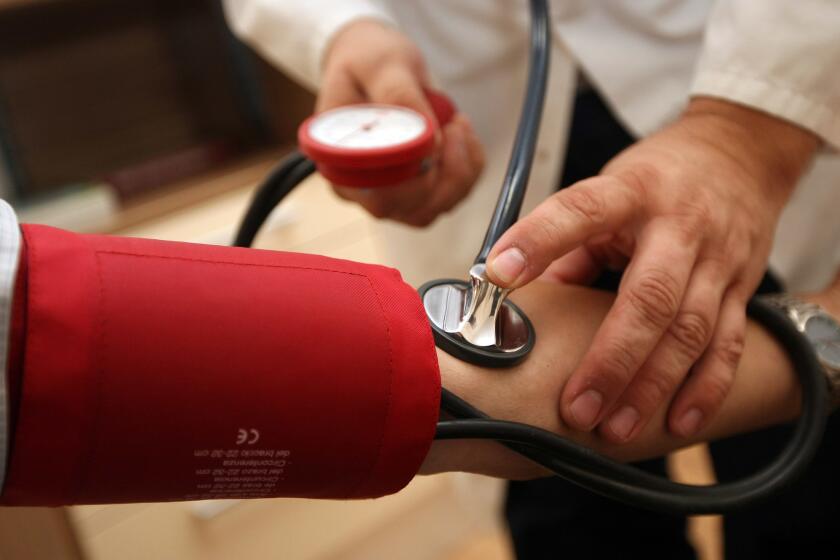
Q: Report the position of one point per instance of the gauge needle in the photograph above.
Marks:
(365, 127)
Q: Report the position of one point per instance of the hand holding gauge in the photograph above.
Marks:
(368, 64)
(373, 145)
(383, 155)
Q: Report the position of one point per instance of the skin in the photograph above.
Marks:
(690, 213)
(369, 62)
(764, 392)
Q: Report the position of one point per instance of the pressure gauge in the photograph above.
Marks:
(371, 145)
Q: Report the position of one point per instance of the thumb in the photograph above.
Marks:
(563, 222)
(399, 84)
(338, 88)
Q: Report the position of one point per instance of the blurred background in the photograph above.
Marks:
(104, 104)
(147, 118)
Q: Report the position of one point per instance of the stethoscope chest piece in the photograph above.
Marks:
(474, 321)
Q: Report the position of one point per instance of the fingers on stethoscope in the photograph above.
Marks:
(684, 341)
(647, 303)
(560, 224)
(710, 380)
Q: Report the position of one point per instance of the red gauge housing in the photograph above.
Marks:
(380, 166)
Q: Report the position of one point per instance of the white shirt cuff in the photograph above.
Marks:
(785, 103)
(296, 38)
(9, 256)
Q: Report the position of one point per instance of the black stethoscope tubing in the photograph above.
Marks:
(631, 485)
(576, 463)
(515, 182)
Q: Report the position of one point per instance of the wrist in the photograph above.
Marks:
(767, 147)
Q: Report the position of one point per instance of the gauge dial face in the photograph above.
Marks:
(367, 127)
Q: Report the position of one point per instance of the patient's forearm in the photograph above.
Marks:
(765, 391)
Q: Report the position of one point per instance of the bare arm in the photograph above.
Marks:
(764, 392)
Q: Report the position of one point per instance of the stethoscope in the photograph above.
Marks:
(374, 145)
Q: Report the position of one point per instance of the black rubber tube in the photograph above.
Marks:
(628, 484)
(574, 462)
(525, 143)
(288, 174)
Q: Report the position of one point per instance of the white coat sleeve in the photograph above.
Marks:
(294, 35)
(779, 56)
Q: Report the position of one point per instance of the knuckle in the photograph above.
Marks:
(585, 204)
(715, 386)
(641, 177)
(739, 248)
(693, 224)
(654, 297)
(696, 207)
(754, 230)
(618, 364)
(717, 265)
(692, 331)
(537, 233)
(545, 229)
(729, 351)
(651, 389)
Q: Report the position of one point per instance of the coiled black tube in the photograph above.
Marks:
(628, 484)
(585, 467)
(288, 174)
(567, 459)
(525, 143)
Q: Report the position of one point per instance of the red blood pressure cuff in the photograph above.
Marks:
(156, 371)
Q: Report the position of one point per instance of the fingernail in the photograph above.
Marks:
(690, 422)
(509, 265)
(623, 421)
(585, 407)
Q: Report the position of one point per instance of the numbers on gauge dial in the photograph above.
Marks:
(367, 127)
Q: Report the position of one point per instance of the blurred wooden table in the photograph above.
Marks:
(453, 517)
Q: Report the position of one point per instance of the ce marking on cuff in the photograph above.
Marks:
(247, 436)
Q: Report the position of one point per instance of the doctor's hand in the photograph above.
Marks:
(691, 212)
(765, 391)
(370, 62)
